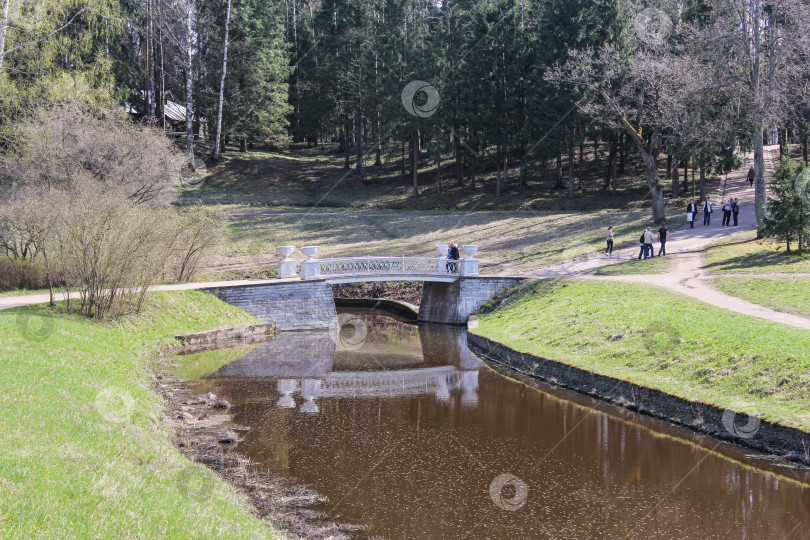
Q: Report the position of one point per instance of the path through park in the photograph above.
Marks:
(687, 245)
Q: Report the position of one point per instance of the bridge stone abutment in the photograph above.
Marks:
(292, 305)
(453, 303)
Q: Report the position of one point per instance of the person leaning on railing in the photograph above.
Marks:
(452, 254)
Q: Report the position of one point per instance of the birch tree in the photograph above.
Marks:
(218, 136)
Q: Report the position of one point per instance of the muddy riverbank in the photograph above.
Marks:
(204, 432)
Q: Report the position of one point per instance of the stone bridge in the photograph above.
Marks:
(302, 299)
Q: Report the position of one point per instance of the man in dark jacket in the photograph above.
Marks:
(691, 208)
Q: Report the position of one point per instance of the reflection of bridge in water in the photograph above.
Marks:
(307, 366)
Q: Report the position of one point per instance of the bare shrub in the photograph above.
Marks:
(87, 196)
(196, 232)
(21, 274)
(72, 144)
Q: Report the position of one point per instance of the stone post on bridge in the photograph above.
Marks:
(468, 266)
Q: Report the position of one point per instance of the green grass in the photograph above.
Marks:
(653, 265)
(744, 253)
(786, 295)
(19, 292)
(668, 341)
(85, 451)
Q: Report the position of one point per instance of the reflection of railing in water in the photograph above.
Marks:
(440, 381)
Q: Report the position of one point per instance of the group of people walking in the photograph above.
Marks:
(646, 241)
(731, 209)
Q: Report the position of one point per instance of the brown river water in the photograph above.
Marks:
(409, 435)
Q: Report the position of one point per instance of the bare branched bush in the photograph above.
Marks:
(88, 201)
(196, 233)
(70, 144)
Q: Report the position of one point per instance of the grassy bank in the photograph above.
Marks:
(743, 253)
(786, 295)
(85, 452)
(662, 340)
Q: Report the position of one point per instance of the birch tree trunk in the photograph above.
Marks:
(218, 135)
(187, 60)
(3, 29)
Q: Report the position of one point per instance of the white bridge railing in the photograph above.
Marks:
(313, 268)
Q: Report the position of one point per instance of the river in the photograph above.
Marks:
(409, 435)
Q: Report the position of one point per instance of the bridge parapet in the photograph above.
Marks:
(429, 267)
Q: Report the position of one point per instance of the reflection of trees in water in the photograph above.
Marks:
(404, 291)
(382, 329)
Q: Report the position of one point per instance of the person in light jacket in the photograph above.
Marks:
(609, 235)
(707, 212)
(648, 243)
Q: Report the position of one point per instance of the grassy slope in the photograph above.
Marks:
(654, 265)
(786, 295)
(84, 451)
(669, 342)
(744, 253)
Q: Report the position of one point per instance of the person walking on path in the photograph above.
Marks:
(691, 210)
(751, 176)
(727, 212)
(735, 210)
(662, 237)
(642, 245)
(707, 212)
(609, 235)
(648, 243)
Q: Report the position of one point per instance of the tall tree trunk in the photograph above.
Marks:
(3, 30)
(559, 183)
(403, 156)
(675, 177)
(702, 177)
(147, 58)
(611, 169)
(622, 152)
(649, 150)
(497, 179)
(188, 65)
(759, 172)
(459, 158)
(347, 128)
(415, 160)
(358, 135)
(438, 172)
(218, 135)
(571, 163)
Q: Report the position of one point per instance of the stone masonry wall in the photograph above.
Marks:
(453, 303)
(297, 305)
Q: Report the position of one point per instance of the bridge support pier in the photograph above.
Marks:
(453, 303)
(292, 305)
